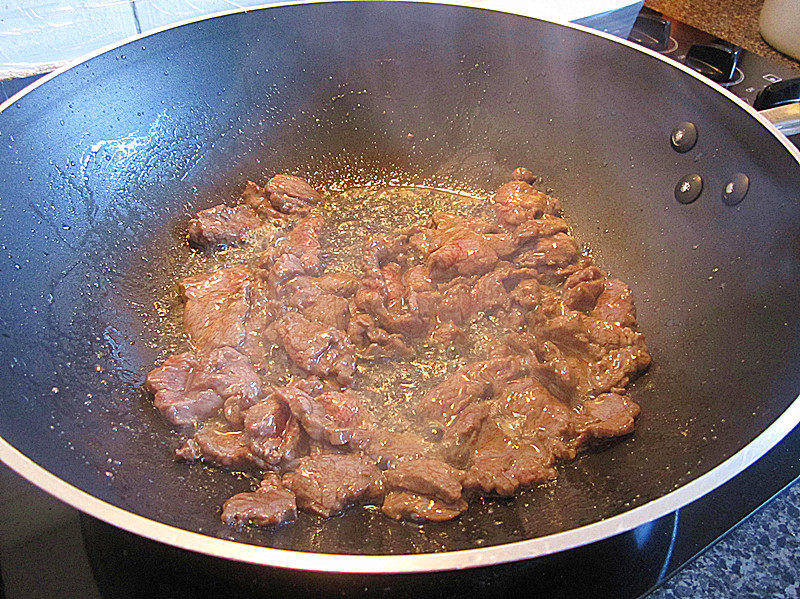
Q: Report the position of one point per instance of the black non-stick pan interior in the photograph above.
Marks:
(103, 165)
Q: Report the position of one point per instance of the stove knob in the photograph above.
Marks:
(716, 60)
(777, 94)
(651, 31)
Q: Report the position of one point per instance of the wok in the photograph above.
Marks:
(104, 162)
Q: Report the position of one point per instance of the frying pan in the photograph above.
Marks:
(104, 162)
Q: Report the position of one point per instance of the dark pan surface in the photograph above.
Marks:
(102, 166)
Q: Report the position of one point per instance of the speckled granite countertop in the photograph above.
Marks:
(758, 558)
(733, 20)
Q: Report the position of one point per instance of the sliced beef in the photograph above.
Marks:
(418, 278)
(430, 477)
(536, 228)
(617, 367)
(448, 334)
(454, 246)
(404, 505)
(457, 303)
(217, 307)
(526, 396)
(384, 298)
(587, 336)
(464, 252)
(326, 484)
(388, 448)
(291, 195)
(492, 292)
(307, 295)
(318, 350)
(552, 252)
(556, 335)
(466, 425)
(255, 197)
(582, 288)
(609, 415)
(517, 202)
(331, 416)
(615, 304)
(223, 226)
(473, 382)
(270, 505)
(339, 283)
(523, 174)
(503, 462)
(551, 425)
(190, 387)
(219, 445)
(373, 342)
(271, 431)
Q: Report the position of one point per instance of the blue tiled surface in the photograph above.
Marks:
(759, 558)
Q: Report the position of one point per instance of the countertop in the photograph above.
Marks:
(760, 557)
(733, 20)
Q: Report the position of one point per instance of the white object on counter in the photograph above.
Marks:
(779, 25)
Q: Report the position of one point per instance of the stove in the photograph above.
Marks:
(50, 550)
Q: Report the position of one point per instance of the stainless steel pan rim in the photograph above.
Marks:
(429, 562)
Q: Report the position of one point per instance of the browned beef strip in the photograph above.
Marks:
(384, 298)
(523, 174)
(373, 342)
(492, 291)
(447, 334)
(472, 382)
(617, 367)
(339, 283)
(326, 484)
(427, 477)
(404, 505)
(582, 293)
(330, 416)
(464, 428)
(615, 304)
(418, 278)
(552, 252)
(291, 195)
(502, 463)
(517, 201)
(535, 228)
(526, 395)
(322, 351)
(223, 226)
(255, 197)
(216, 444)
(464, 252)
(307, 295)
(457, 304)
(609, 415)
(217, 307)
(454, 246)
(388, 448)
(269, 505)
(189, 387)
(271, 431)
